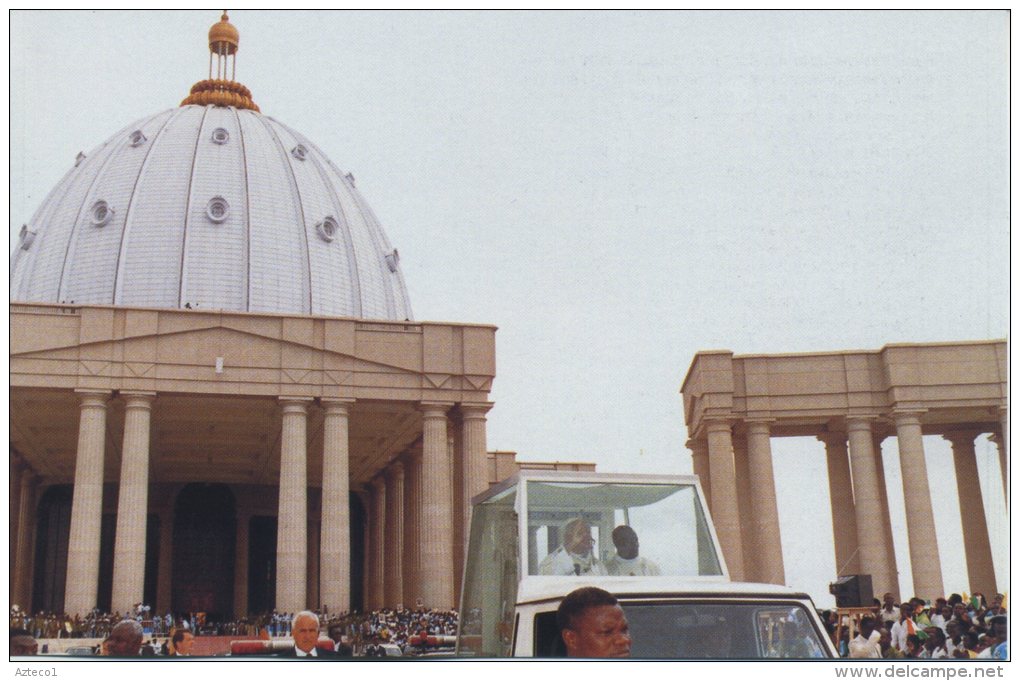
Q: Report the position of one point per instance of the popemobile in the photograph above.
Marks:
(646, 539)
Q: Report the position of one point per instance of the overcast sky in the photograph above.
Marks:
(616, 191)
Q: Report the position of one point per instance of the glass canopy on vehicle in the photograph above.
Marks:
(543, 527)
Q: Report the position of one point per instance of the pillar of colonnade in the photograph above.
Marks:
(725, 512)
(394, 534)
(887, 536)
(377, 544)
(841, 503)
(14, 499)
(24, 559)
(474, 463)
(81, 590)
(132, 504)
(335, 525)
(766, 544)
(976, 544)
(436, 567)
(412, 528)
(742, 473)
(924, 548)
(292, 519)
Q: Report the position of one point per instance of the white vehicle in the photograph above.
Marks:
(677, 595)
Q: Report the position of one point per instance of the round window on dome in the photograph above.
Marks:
(220, 136)
(137, 138)
(100, 213)
(299, 152)
(217, 209)
(327, 228)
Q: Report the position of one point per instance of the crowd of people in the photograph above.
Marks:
(950, 628)
(403, 627)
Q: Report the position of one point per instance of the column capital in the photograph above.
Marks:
(697, 446)
(435, 409)
(831, 437)
(138, 399)
(718, 425)
(395, 469)
(964, 437)
(93, 398)
(378, 482)
(905, 417)
(337, 405)
(759, 426)
(474, 410)
(293, 405)
(859, 423)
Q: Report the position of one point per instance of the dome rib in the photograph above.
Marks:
(121, 252)
(350, 254)
(72, 242)
(303, 232)
(188, 212)
(247, 213)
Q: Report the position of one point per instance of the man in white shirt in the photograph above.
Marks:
(865, 644)
(903, 628)
(627, 562)
(574, 556)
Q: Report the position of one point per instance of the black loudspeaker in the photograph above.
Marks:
(853, 591)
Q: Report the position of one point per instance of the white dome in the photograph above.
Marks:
(210, 207)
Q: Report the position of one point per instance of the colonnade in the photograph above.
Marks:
(733, 458)
(412, 515)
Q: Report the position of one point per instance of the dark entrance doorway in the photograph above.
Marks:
(203, 555)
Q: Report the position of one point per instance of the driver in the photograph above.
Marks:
(574, 556)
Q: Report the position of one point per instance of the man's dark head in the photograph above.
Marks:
(126, 639)
(906, 610)
(23, 643)
(888, 599)
(953, 629)
(867, 626)
(592, 624)
(336, 632)
(626, 541)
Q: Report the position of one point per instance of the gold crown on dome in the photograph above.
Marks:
(221, 90)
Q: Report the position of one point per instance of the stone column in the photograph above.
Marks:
(976, 546)
(699, 460)
(292, 521)
(412, 529)
(132, 504)
(475, 464)
(742, 472)
(395, 534)
(14, 497)
(86, 506)
(335, 541)
(725, 513)
(841, 502)
(924, 547)
(164, 579)
(22, 594)
(867, 505)
(378, 576)
(1003, 444)
(766, 541)
(883, 500)
(241, 549)
(437, 511)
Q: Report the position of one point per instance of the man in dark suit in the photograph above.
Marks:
(305, 630)
(336, 634)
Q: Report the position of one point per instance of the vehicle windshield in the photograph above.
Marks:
(617, 529)
(722, 631)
